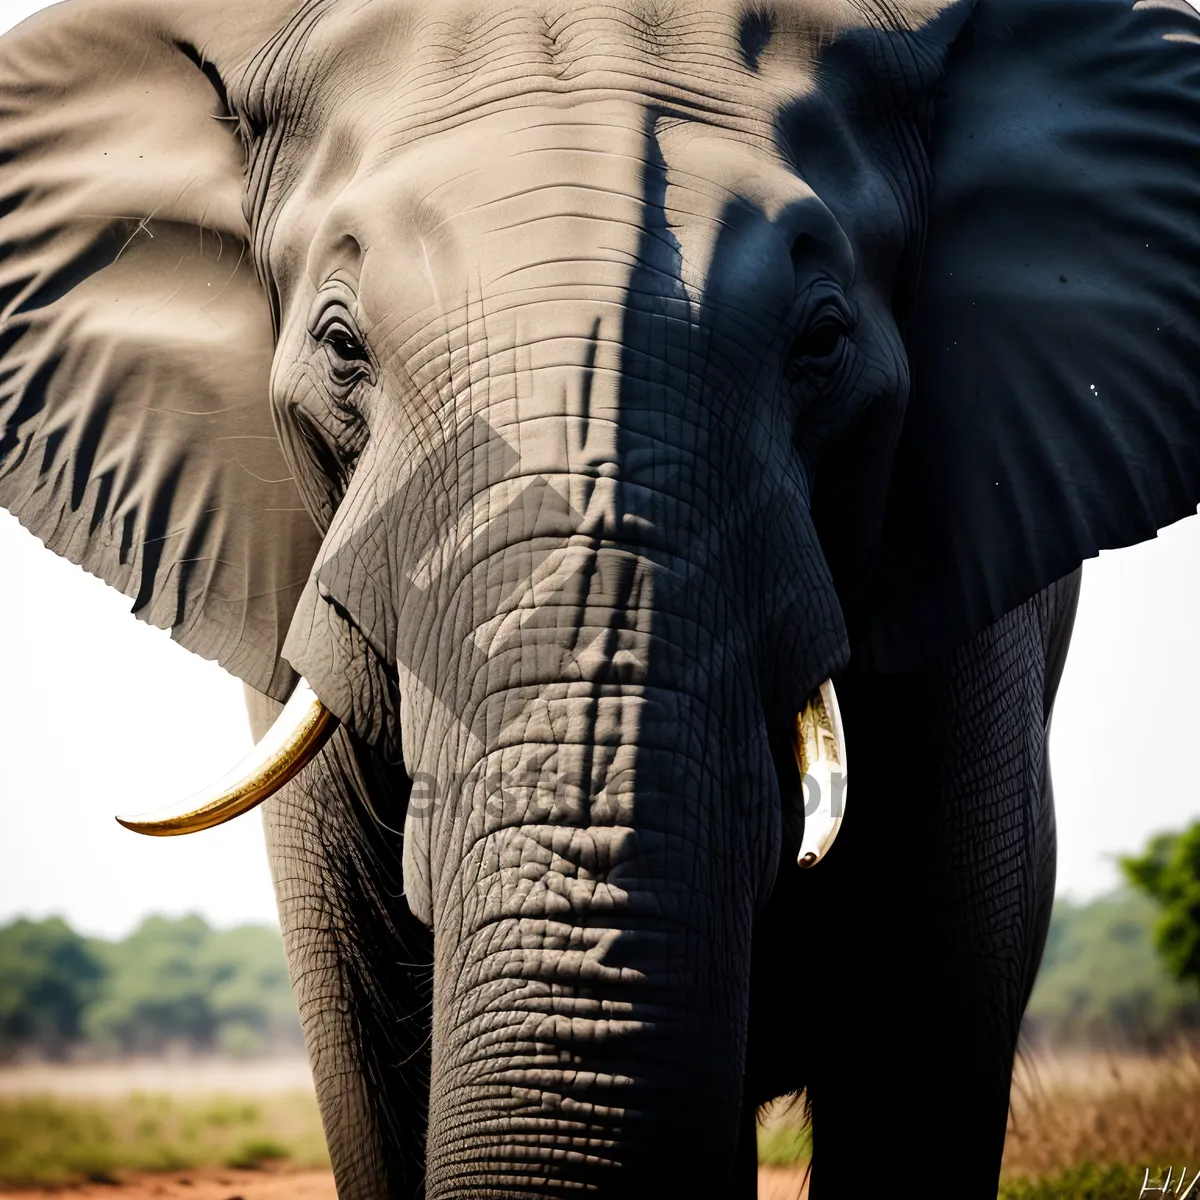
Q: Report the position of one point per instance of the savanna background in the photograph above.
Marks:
(149, 1045)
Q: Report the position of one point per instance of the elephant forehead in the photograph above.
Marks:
(579, 174)
(404, 68)
(346, 86)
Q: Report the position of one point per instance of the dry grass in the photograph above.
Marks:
(1082, 1127)
(45, 1140)
(784, 1133)
(1104, 1108)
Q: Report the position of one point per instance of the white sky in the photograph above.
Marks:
(101, 714)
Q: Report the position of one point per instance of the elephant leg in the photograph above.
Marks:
(744, 1183)
(360, 963)
(891, 980)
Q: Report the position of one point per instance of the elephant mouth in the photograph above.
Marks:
(304, 726)
(349, 662)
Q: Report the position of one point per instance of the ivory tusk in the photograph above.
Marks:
(293, 741)
(820, 748)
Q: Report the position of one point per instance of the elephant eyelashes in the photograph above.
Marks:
(819, 349)
(823, 342)
(349, 361)
(344, 344)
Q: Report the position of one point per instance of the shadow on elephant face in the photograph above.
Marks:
(567, 393)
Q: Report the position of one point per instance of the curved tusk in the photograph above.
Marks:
(293, 741)
(820, 748)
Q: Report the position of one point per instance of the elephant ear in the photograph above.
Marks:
(1055, 342)
(136, 435)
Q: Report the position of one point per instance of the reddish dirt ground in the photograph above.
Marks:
(220, 1184)
(207, 1184)
(782, 1183)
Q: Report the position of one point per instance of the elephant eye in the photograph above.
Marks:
(822, 342)
(819, 348)
(349, 360)
(344, 344)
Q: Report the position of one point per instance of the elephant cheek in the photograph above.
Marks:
(345, 668)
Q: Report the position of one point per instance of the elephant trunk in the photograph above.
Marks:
(594, 882)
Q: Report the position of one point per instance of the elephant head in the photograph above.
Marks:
(567, 393)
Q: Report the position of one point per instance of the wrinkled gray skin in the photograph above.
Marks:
(577, 528)
(571, 513)
(571, 309)
(568, 508)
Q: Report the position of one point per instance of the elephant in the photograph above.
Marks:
(557, 398)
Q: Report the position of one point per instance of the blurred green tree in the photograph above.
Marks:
(156, 989)
(1102, 983)
(179, 981)
(48, 976)
(1169, 873)
(251, 995)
